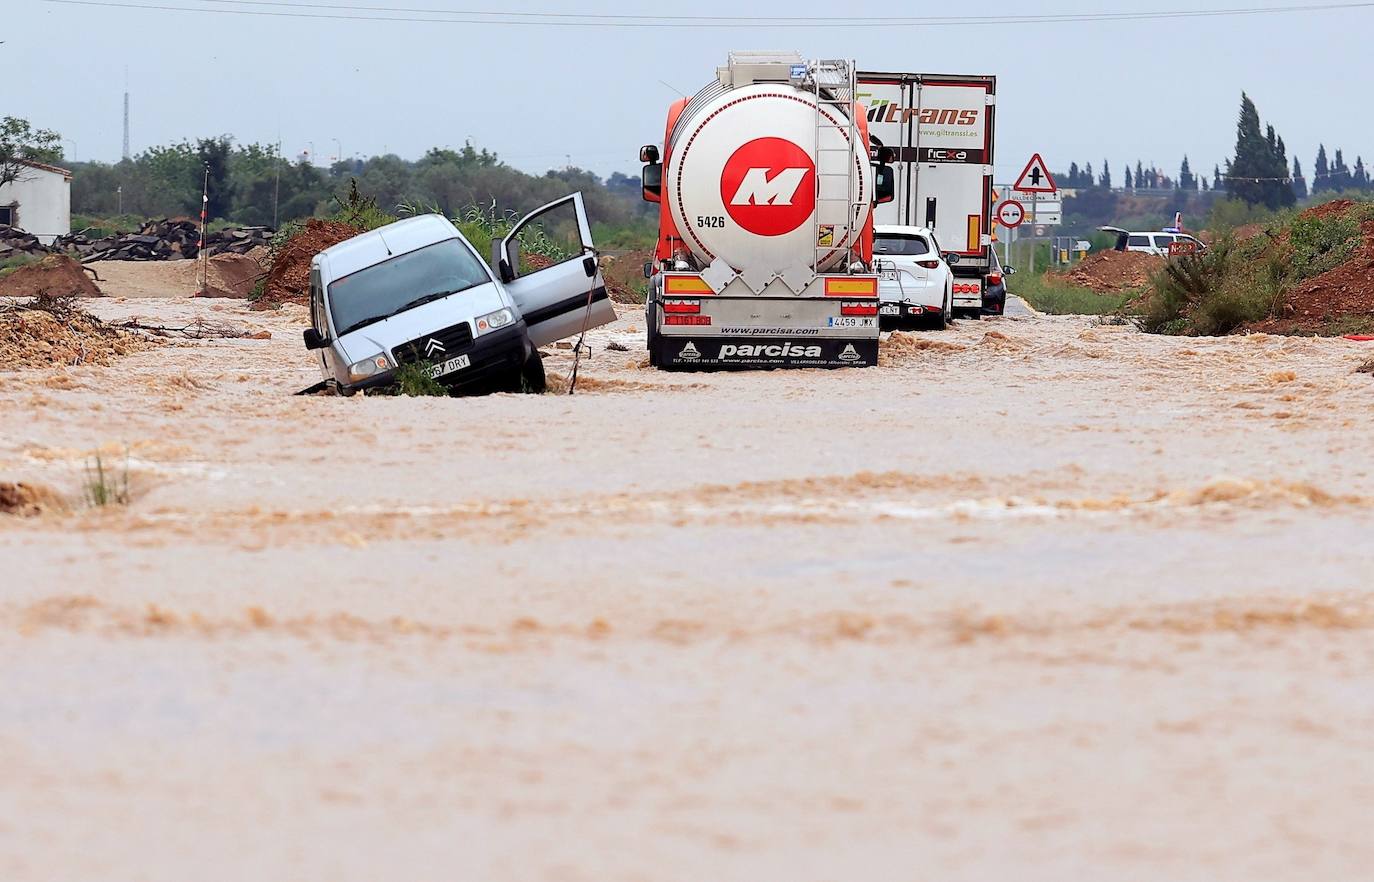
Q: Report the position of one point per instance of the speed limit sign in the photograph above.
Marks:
(1011, 213)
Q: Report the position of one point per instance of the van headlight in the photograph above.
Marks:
(493, 321)
(368, 367)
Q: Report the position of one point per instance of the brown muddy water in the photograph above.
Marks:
(1038, 599)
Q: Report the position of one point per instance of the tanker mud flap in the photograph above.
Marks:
(744, 353)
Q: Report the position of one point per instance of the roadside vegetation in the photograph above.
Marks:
(1244, 282)
(1051, 293)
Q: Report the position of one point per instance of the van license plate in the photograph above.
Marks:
(447, 367)
(851, 321)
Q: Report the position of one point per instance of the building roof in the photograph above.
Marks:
(43, 166)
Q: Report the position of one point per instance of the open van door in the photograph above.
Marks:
(559, 299)
(1121, 237)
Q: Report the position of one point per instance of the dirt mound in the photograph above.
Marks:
(28, 500)
(1328, 209)
(51, 332)
(288, 281)
(624, 276)
(234, 275)
(1247, 231)
(1108, 271)
(55, 275)
(1344, 293)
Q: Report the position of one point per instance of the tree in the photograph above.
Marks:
(1073, 174)
(1186, 180)
(1258, 171)
(1321, 172)
(1216, 177)
(1106, 179)
(1340, 173)
(1299, 183)
(1129, 183)
(1088, 178)
(1140, 174)
(1360, 180)
(21, 143)
(1205, 188)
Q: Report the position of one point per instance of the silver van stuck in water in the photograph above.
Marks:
(417, 292)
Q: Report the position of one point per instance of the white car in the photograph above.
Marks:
(915, 284)
(1154, 243)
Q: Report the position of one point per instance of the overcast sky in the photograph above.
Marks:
(1149, 90)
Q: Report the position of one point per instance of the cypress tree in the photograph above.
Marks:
(1106, 179)
(1321, 172)
(1299, 184)
(1259, 171)
(1130, 185)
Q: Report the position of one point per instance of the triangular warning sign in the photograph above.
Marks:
(1036, 178)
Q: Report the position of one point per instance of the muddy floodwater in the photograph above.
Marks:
(1038, 599)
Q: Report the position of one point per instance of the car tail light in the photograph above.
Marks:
(682, 307)
(931, 308)
(929, 264)
(994, 278)
(860, 308)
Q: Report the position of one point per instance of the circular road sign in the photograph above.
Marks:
(1011, 213)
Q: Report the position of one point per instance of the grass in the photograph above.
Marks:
(1051, 294)
(10, 264)
(104, 488)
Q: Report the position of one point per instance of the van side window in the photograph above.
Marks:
(1138, 242)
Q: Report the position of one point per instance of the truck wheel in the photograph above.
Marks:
(650, 338)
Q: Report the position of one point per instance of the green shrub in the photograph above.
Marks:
(411, 380)
(360, 211)
(1217, 291)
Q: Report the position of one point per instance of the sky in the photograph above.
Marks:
(543, 96)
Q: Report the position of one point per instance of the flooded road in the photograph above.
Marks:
(1039, 598)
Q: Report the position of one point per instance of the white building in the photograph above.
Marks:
(39, 202)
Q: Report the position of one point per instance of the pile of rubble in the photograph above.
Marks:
(14, 241)
(168, 239)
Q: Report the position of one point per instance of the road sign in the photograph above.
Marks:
(1010, 213)
(1036, 178)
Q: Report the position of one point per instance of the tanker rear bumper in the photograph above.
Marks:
(761, 353)
(832, 323)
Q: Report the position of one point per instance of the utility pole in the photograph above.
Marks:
(276, 186)
(127, 152)
(204, 216)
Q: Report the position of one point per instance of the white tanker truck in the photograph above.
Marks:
(765, 246)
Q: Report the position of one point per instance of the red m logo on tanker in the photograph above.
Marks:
(758, 189)
(768, 186)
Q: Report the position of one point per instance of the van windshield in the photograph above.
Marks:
(405, 281)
